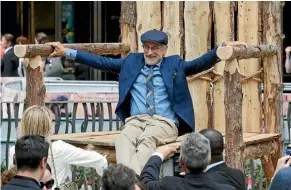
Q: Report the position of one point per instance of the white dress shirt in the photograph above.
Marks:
(66, 155)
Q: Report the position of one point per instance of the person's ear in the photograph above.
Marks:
(43, 163)
(181, 162)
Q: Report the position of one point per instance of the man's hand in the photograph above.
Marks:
(167, 151)
(288, 49)
(283, 162)
(235, 43)
(59, 49)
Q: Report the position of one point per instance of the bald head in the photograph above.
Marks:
(216, 143)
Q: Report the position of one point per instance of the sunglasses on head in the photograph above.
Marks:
(49, 184)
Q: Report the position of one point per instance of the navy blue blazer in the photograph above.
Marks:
(174, 71)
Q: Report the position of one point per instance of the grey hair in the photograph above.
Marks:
(195, 151)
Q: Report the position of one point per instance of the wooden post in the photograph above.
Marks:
(273, 85)
(233, 116)
(127, 25)
(248, 32)
(224, 31)
(149, 17)
(171, 26)
(198, 19)
(35, 88)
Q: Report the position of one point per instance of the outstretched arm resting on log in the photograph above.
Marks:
(207, 60)
(75, 52)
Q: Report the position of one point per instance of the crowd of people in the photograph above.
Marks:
(12, 66)
(37, 163)
(155, 106)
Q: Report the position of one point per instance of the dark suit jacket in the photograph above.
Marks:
(21, 183)
(9, 64)
(151, 172)
(174, 71)
(225, 175)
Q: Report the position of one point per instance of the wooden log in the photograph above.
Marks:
(35, 88)
(171, 26)
(257, 51)
(223, 31)
(249, 32)
(198, 19)
(44, 50)
(273, 84)
(127, 25)
(268, 168)
(233, 116)
(149, 17)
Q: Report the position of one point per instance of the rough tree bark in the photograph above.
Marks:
(249, 32)
(35, 88)
(44, 50)
(257, 51)
(149, 17)
(233, 116)
(128, 23)
(223, 14)
(273, 85)
(198, 19)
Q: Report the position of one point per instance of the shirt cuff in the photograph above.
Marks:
(159, 155)
(71, 54)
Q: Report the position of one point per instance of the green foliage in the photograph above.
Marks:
(84, 175)
(254, 169)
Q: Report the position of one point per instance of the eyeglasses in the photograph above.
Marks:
(49, 184)
(154, 49)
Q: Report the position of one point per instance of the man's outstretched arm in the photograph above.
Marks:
(91, 60)
(207, 60)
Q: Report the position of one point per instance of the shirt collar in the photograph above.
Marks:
(213, 165)
(158, 64)
(7, 49)
(27, 178)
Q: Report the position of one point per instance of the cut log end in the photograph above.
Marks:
(20, 50)
(225, 53)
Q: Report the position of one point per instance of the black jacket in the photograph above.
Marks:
(9, 64)
(21, 183)
(225, 175)
(151, 172)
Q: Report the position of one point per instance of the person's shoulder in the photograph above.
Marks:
(225, 187)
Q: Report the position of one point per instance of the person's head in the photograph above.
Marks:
(155, 46)
(216, 144)
(21, 40)
(119, 177)
(8, 175)
(7, 40)
(195, 153)
(31, 152)
(36, 120)
(41, 38)
(47, 182)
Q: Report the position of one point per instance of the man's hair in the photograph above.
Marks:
(216, 143)
(195, 152)
(29, 151)
(118, 177)
(9, 38)
(41, 38)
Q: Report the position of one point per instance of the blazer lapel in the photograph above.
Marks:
(168, 75)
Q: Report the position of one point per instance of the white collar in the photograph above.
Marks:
(7, 49)
(213, 165)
